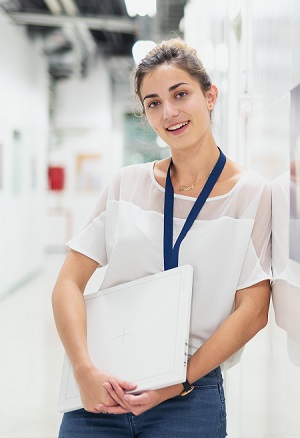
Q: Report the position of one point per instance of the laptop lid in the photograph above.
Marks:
(137, 331)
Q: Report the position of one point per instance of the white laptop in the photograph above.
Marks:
(137, 331)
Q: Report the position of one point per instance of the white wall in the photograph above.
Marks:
(254, 110)
(84, 122)
(24, 108)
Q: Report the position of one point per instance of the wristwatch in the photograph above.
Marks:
(187, 388)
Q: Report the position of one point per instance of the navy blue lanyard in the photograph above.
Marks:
(171, 253)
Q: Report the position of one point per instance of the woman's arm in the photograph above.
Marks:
(70, 318)
(249, 317)
(68, 306)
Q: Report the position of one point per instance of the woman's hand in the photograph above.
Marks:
(94, 396)
(136, 403)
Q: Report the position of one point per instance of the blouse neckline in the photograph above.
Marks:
(192, 198)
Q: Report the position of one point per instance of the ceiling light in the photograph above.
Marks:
(141, 7)
(140, 49)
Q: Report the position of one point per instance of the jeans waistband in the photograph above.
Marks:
(212, 378)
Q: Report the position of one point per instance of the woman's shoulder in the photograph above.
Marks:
(256, 182)
(244, 177)
(230, 177)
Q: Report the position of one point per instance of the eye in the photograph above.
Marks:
(153, 104)
(180, 95)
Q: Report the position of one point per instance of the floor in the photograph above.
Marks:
(31, 359)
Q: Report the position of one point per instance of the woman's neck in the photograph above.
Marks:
(193, 166)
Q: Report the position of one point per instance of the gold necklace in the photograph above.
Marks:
(187, 188)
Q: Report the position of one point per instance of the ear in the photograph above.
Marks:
(212, 96)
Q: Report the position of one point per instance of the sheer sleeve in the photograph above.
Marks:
(257, 262)
(91, 240)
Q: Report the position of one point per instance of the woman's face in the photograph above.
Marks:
(176, 107)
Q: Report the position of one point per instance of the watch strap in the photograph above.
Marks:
(187, 388)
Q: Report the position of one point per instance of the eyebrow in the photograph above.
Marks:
(172, 88)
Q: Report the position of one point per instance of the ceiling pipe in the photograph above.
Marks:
(54, 6)
(80, 28)
(107, 23)
(70, 7)
(84, 44)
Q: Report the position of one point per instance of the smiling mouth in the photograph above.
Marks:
(176, 127)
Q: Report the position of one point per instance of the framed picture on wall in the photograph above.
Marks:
(89, 173)
(295, 175)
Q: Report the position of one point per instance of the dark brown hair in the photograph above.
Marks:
(176, 52)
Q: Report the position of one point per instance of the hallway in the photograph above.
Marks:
(69, 121)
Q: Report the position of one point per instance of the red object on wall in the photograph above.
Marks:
(56, 177)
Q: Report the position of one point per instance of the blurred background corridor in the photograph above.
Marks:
(68, 121)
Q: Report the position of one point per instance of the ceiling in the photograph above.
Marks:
(73, 32)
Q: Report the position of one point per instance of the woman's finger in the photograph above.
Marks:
(117, 388)
(136, 408)
(136, 400)
(126, 386)
(113, 394)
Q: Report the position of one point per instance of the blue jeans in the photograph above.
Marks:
(200, 414)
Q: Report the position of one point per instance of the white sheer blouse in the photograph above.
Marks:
(228, 245)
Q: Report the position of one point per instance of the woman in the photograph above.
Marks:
(227, 245)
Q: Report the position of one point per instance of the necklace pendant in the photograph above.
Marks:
(186, 188)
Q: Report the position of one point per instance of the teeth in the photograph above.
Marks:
(180, 125)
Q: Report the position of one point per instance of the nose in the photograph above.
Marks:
(170, 110)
